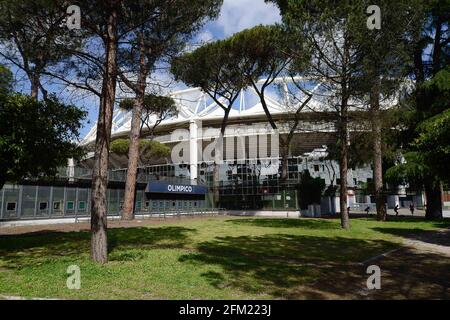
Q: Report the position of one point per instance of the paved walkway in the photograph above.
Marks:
(420, 270)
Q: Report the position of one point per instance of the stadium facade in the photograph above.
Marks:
(249, 175)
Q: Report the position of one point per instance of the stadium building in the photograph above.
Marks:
(249, 176)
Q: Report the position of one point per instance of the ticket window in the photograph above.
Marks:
(70, 206)
(138, 206)
(43, 207)
(82, 206)
(57, 207)
(11, 207)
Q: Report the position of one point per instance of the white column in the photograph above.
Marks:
(193, 150)
(71, 169)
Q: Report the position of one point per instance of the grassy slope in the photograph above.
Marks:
(216, 258)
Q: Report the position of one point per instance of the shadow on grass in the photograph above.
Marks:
(30, 249)
(278, 264)
(320, 224)
(408, 274)
(428, 236)
(442, 223)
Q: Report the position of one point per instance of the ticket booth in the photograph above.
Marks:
(163, 196)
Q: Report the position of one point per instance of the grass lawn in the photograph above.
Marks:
(211, 258)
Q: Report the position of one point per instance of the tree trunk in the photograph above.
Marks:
(343, 131)
(377, 152)
(99, 241)
(343, 168)
(34, 81)
(216, 170)
(433, 194)
(219, 147)
(133, 159)
(135, 133)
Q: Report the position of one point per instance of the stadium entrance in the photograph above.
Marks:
(167, 196)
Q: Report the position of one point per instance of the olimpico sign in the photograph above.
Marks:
(167, 188)
(179, 188)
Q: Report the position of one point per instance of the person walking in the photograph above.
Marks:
(411, 208)
(396, 209)
(367, 210)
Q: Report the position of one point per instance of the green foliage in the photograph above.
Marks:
(119, 146)
(359, 151)
(434, 95)
(309, 190)
(429, 130)
(153, 105)
(386, 55)
(149, 149)
(6, 79)
(36, 137)
(434, 143)
(211, 67)
(412, 170)
(266, 51)
(154, 149)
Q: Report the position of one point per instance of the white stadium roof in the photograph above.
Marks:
(194, 104)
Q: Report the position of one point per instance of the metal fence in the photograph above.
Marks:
(46, 202)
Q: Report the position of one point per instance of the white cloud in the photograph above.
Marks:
(237, 15)
(204, 36)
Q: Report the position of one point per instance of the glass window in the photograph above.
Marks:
(69, 205)
(43, 206)
(57, 205)
(81, 205)
(10, 195)
(11, 206)
(58, 200)
(28, 206)
(43, 197)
